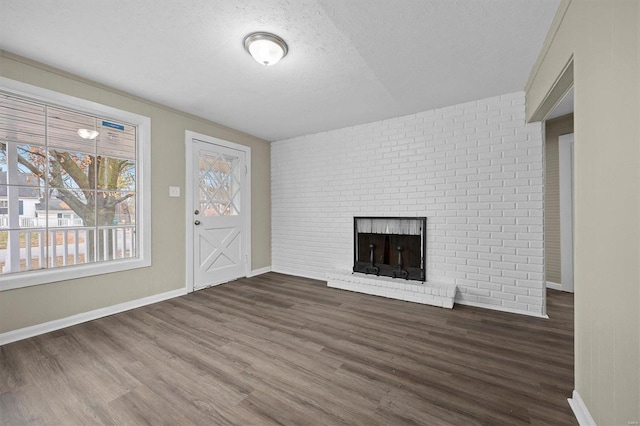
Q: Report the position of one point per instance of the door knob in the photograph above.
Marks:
(197, 212)
(197, 222)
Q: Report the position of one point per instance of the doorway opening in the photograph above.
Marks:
(558, 232)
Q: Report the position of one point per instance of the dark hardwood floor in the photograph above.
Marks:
(280, 349)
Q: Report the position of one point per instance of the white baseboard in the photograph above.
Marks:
(34, 330)
(580, 410)
(260, 271)
(554, 286)
(319, 277)
(500, 308)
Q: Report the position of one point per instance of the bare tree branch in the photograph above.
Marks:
(85, 211)
(71, 167)
(115, 201)
(32, 167)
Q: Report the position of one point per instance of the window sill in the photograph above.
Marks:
(48, 276)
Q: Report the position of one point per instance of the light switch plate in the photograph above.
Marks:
(174, 191)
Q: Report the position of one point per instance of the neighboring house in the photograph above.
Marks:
(58, 214)
(33, 209)
(28, 197)
(124, 215)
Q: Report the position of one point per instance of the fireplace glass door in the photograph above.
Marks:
(393, 247)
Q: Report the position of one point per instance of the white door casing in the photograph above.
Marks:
(218, 211)
(565, 154)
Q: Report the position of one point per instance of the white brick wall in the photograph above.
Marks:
(474, 170)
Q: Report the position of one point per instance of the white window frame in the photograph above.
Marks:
(143, 188)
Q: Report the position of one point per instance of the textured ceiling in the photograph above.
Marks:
(349, 62)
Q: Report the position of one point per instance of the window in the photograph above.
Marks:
(72, 174)
(219, 185)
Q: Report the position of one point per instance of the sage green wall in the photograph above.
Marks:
(604, 38)
(38, 304)
(552, 250)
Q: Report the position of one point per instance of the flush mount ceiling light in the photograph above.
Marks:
(88, 134)
(266, 48)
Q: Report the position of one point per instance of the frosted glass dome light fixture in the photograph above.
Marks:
(88, 134)
(266, 48)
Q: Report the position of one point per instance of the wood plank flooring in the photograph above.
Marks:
(276, 349)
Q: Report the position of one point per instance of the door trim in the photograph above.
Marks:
(188, 142)
(565, 157)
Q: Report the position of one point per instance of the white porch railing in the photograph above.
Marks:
(34, 222)
(39, 248)
(25, 222)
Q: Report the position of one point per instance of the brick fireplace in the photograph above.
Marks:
(475, 170)
(390, 261)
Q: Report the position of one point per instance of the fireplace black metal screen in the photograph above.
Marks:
(390, 246)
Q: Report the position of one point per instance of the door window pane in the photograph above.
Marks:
(219, 187)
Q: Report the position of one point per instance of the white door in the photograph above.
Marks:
(565, 151)
(219, 248)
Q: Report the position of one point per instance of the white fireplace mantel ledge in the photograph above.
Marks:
(426, 292)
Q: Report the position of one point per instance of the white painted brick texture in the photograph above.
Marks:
(474, 170)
